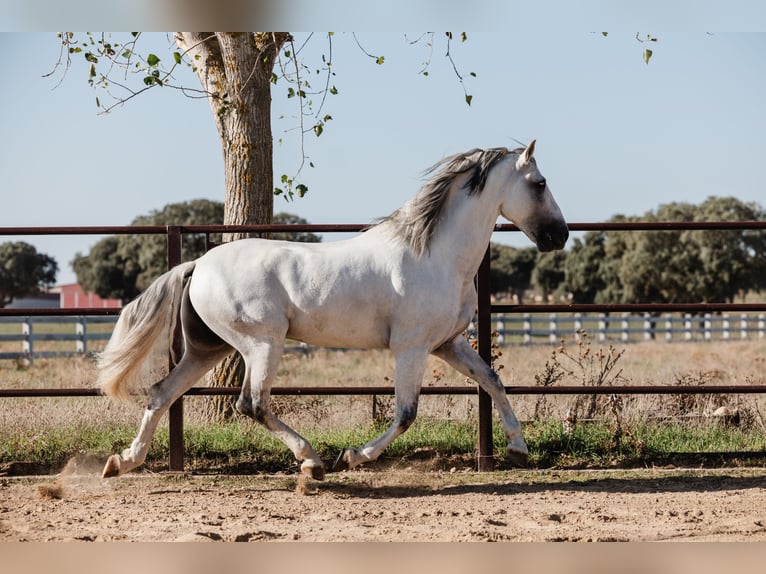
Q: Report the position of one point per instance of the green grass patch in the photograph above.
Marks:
(242, 446)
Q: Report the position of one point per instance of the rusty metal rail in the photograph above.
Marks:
(485, 446)
(440, 390)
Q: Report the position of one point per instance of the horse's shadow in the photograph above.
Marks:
(648, 485)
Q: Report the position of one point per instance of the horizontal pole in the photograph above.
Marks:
(357, 227)
(455, 390)
(631, 308)
(59, 312)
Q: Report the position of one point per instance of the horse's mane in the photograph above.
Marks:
(416, 221)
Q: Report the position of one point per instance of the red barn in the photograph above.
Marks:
(72, 295)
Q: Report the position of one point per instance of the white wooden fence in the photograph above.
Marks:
(37, 335)
(60, 336)
(626, 328)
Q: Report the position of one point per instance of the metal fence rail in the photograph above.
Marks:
(484, 327)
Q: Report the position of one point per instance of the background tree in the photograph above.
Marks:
(122, 266)
(511, 269)
(108, 270)
(732, 261)
(24, 271)
(548, 274)
(667, 266)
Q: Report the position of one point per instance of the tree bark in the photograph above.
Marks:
(236, 70)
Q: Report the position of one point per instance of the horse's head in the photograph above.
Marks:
(528, 202)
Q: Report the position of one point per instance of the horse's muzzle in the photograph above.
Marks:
(552, 237)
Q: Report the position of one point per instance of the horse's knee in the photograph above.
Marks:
(253, 409)
(405, 417)
(261, 415)
(156, 397)
(244, 406)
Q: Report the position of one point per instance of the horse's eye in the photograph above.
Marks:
(541, 184)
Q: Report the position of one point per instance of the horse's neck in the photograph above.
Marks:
(464, 234)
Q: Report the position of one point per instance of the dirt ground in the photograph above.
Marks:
(388, 504)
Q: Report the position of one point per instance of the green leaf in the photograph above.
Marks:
(334, 91)
(379, 60)
(177, 57)
(98, 102)
(301, 189)
(318, 129)
(647, 55)
(463, 36)
(90, 57)
(468, 99)
(472, 74)
(152, 60)
(127, 54)
(93, 70)
(604, 34)
(290, 93)
(278, 191)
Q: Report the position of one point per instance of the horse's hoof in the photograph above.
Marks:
(112, 467)
(341, 463)
(315, 472)
(518, 459)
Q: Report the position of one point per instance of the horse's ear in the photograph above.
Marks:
(526, 155)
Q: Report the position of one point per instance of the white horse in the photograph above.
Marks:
(406, 284)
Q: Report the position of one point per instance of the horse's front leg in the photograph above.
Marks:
(459, 354)
(410, 366)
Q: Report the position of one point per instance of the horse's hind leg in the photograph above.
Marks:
(410, 366)
(262, 361)
(161, 395)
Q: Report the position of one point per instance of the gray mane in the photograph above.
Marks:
(416, 221)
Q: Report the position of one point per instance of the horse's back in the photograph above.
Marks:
(337, 293)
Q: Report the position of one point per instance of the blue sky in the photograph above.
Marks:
(614, 135)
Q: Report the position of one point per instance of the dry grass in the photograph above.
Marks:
(651, 363)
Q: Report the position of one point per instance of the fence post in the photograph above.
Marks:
(500, 330)
(577, 325)
(527, 328)
(687, 327)
(726, 326)
(485, 445)
(602, 327)
(708, 327)
(27, 345)
(761, 326)
(743, 327)
(81, 329)
(625, 328)
(176, 413)
(553, 328)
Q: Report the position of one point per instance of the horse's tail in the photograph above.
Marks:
(143, 335)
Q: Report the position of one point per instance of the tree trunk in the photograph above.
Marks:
(236, 69)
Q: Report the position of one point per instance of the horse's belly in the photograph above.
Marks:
(340, 330)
